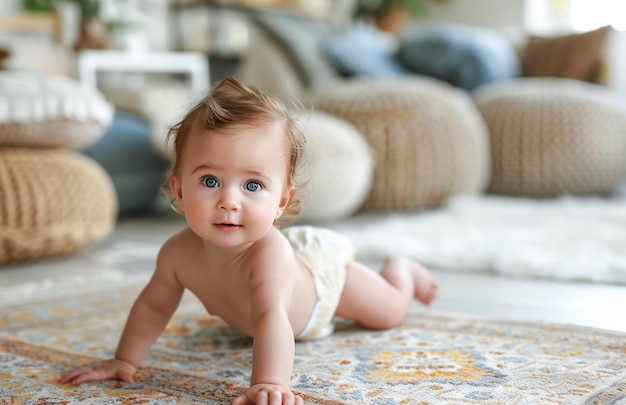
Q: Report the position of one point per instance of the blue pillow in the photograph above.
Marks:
(125, 151)
(466, 57)
(362, 50)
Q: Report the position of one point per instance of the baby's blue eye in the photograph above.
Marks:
(253, 186)
(210, 182)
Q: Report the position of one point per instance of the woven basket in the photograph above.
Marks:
(551, 137)
(429, 140)
(52, 202)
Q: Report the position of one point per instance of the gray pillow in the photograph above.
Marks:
(362, 50)
(464, 56)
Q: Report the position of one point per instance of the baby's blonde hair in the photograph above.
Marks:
(231, 104)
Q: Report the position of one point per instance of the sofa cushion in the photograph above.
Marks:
(575, 56)
(460, 55)
(363, 50)
(41, 110)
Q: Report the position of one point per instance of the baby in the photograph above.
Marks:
(233, 175)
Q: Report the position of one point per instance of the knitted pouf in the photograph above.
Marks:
(552, 136)
(339, 168)
(429, 140)
(52, 202)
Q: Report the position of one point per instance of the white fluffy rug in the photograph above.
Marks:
(567, 238)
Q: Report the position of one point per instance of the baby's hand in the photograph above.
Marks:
(266, 394)
(113, 369)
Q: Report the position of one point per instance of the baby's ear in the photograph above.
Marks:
(177, 191)
(285, 200)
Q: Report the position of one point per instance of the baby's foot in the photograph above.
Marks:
(426, 287)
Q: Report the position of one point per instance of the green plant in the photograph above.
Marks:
(377, 8)
(44, 6)
(88, 8)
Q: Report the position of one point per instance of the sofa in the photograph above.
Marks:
(291, 54)
(553, 105)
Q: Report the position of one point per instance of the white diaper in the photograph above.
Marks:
(325, 254)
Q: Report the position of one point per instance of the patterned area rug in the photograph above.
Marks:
(432, 359)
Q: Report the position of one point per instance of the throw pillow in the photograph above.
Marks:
(40, 110)
(575, 56)
(463, 56)
(363, 50)
(4, 55)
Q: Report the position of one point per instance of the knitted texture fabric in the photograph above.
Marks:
(52, 202)
(339, 167)
(429, 140)
(554, 136)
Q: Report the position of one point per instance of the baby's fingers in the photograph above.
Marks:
(241, 400)
(269, 397)
(73, 374)
(91, 373)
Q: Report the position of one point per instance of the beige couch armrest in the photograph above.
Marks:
(615, 54)
(266, 66)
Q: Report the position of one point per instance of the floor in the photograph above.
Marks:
(594, 305)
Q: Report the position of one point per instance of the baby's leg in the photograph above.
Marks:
(380, 301)
(425, 286)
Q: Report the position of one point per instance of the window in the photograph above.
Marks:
(586, 15)
(545, 16)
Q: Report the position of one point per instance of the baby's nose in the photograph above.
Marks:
(229, 200)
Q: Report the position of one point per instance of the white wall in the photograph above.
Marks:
(504, 16)
(488, 13)
(8, 7)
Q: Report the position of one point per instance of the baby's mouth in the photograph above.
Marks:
(227, 226)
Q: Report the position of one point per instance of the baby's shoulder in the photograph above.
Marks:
(183, 236)
(273, 246)
(276, 240)
(181, 243)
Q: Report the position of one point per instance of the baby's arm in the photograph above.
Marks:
(271, 288)
(147, 319)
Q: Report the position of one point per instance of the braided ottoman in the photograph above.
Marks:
(53, 202)
(554, 136)
(429, 141)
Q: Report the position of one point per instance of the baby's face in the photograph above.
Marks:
(232, 186)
